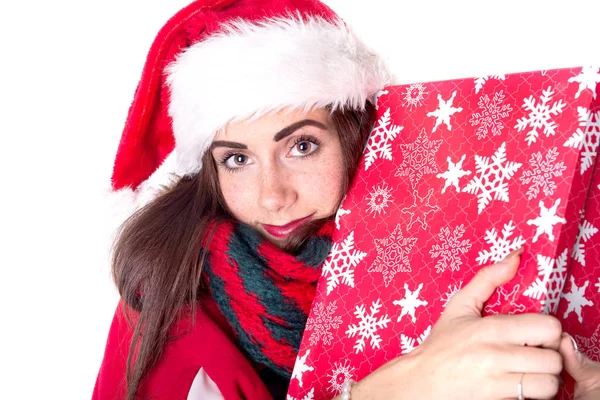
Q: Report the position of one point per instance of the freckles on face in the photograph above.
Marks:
(280, 168)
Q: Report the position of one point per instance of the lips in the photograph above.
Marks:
(282, 231)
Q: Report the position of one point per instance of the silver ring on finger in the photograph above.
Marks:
(520, 387)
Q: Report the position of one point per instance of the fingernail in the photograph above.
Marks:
(579, 355)
(514, 254)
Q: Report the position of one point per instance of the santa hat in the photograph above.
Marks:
(217, 61)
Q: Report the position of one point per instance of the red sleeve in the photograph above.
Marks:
(205, 345)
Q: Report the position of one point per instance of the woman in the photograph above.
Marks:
(258, 112)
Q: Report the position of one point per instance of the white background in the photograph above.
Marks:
(68, 70)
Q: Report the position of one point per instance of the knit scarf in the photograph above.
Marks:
(265, 293)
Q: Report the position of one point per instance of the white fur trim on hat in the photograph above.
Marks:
(250, 69)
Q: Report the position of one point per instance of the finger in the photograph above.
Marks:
(532, 386)
(531, 329)
(576, 363)
(515, 359)
(470, 299)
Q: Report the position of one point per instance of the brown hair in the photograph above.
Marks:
(158, 253)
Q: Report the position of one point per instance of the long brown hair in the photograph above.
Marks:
(158, 253)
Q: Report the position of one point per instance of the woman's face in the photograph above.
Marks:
(280, 171)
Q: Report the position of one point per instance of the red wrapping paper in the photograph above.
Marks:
(456, 175)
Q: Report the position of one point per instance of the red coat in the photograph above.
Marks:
(208, 345)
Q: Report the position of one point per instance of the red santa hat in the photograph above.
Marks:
(217, 61)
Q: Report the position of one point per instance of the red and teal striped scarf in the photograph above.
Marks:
(265, 293)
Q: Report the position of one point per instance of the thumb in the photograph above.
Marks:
(575, 363)
(470, 299)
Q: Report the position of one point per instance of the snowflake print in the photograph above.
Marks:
(414, 95)
(506, 297)
(450, 249)
(378, 95)
(453, 174)
(588, 78)
(586, 137)
(392, 255)
(300, 367)
(367, 326)
(419, 158)
(500, 246)
(339, 265)
(546, 221)
(379, 199)
(590, 346)
(577, 300)
(408, 344)
(490, 116)
(452, 290)
(338, 216)
(540, 115)
(410, 303)
(549, 284)
(340, 374)
(421, 210)
(322, 323)
(542, 172)
(598, 285)
(586, 231)
(309, 396)
(444, 111)
(380, 140)
(480, 81)
(492, 174)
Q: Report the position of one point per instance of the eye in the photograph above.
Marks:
(237, 160)
(304, 147)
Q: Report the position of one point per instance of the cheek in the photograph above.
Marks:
(324, 188)
(238, 195)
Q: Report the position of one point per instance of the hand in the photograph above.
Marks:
(585, 371)
(467, 356)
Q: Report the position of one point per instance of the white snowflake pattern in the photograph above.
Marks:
(444, 111)
(392, 255)
(500, 246)
(452, 290)
(419, 158)
(380, 140)
(339, 265)
(323, 321)
(549, 284)
(491, 179)
(588, 78)
(590, 346)
(300, 367)
(367, 326)
(338, 216)
(341, 373)
(577, 300)
(480, 81)
(410, 302)
(540, 114)
(414, 95)
(541, 174)
(546, 221)
(420, 209)
(379, 199)
(505, 297)
(309, 396)
(490, 118)
(408, 344)
(453, 174)
(378, 95)
(450, 248)
(586, 137)
(598, 285)
(586, 231)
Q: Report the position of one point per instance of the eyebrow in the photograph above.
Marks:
(282, 134)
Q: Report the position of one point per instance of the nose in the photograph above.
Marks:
(276, 189)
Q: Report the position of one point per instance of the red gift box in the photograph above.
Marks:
(455, 176)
